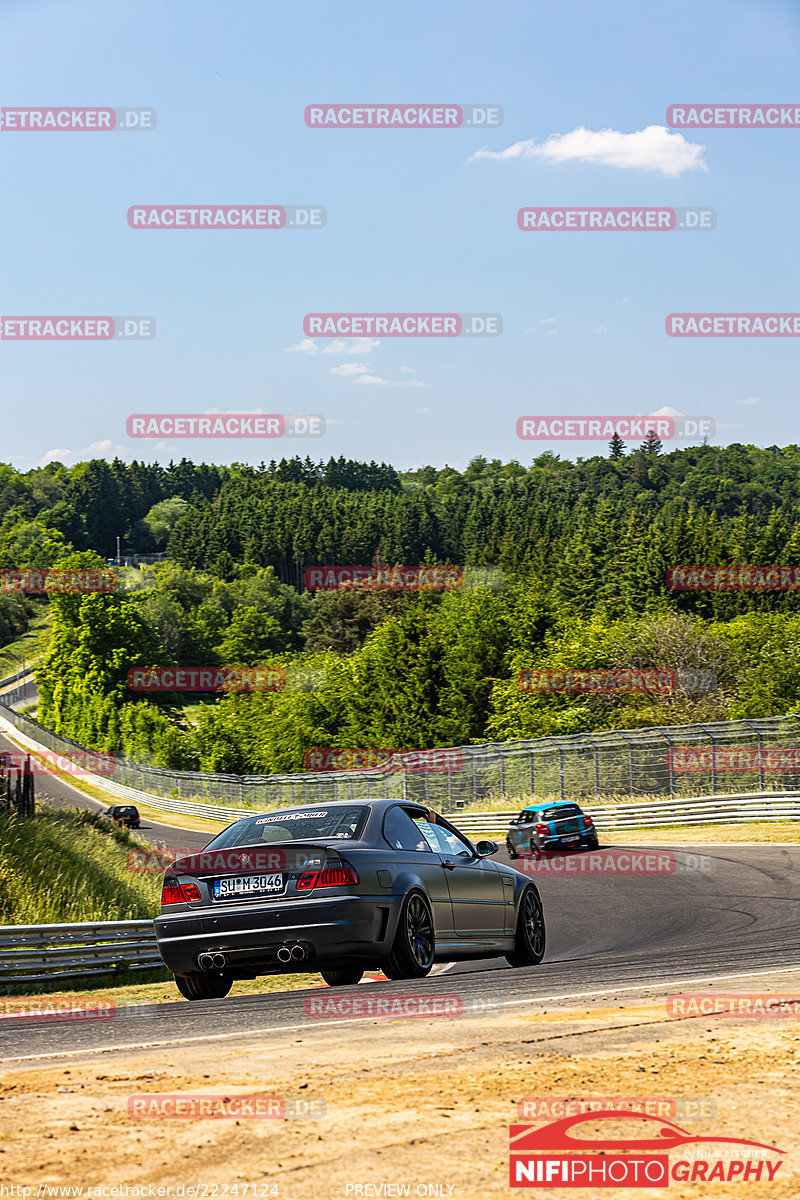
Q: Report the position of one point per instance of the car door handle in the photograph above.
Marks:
(448, 864)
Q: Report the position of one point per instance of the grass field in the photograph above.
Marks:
(28, 647)
(67, 865)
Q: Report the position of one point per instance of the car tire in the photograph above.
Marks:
(593, 843)
(211, 986)
(412, 951)
(511, 851)
(530, 938)
(342, 977)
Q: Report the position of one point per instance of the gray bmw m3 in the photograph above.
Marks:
(338, 889)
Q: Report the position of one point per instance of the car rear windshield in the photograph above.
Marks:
(295, 825)
(563, 810)
(124, 811)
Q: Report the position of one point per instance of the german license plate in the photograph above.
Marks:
(571, 837)
(248, 885)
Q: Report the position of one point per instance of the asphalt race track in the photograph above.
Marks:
(731, 912)
(723, 911)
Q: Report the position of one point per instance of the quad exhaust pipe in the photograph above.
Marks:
(213, 961)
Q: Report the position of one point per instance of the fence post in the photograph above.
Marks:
(713, 740)
(670, 763)
(474, 758)
(760, 737)
(502, 772)
(631, 763)
(531, 770)
(561, 768)
(596, 749)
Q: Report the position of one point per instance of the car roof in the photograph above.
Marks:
(376, 802)
(550, 804)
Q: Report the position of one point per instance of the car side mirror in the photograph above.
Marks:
(486, 848)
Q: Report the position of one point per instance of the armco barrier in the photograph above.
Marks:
(38, 953)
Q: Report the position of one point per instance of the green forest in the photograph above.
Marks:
(580, 550)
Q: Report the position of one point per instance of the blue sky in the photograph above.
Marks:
(415, 222)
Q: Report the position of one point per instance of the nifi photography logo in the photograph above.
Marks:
(561, 1154)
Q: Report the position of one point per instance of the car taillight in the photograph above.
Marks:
(542, 829)
(173, 892)
(339, 876)
(587, 820)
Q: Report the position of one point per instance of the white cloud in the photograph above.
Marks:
(667, 411)
(54, 456)
(104, 449)
(751, 400)
(599, 329)
(376, 381)
(655, 148)
(549, 321)
(336, 346)
(348, 369)
(410, 370)
(307, 346)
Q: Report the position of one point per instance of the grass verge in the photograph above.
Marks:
(70, 865)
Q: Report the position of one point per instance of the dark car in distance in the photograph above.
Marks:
(551, 826)
(124, 814)
(341, 888)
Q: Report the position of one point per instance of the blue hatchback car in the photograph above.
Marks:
(551, 826)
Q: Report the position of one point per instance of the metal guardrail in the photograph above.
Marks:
(39, 953)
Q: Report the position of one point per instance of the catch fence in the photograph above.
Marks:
(733, 757)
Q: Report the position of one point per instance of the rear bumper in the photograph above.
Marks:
(250, 937)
